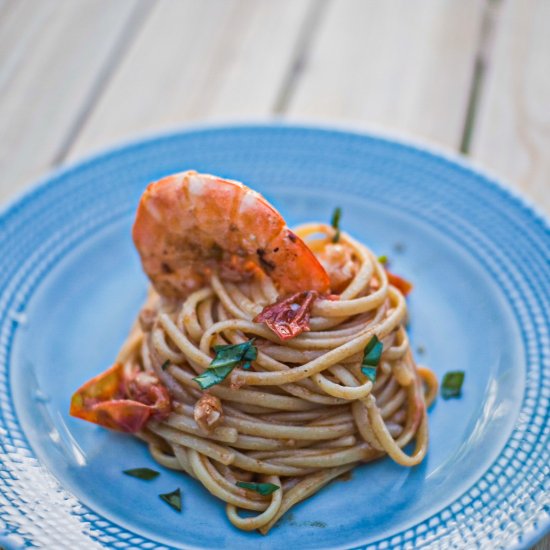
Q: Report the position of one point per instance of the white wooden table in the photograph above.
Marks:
(470, 75)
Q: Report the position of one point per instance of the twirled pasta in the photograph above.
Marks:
(321, 378)
(304, 413)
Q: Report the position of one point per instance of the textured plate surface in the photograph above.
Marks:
(71, 284)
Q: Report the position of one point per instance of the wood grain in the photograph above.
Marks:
(512, 132)
(399, 64)
(198, 61)
(51, 53)
(544, 544)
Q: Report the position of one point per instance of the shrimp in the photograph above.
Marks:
(340, 265)
(208, 412)
(189, 226)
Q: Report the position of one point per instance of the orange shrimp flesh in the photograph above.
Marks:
(190, 225)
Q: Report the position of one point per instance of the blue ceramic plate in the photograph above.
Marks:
(71, 284)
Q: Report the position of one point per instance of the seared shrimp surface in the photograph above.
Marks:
(190, 225)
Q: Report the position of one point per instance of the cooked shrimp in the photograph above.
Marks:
(340, 265)
(190, 225)
(208, 412)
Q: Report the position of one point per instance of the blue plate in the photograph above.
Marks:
(71, 284)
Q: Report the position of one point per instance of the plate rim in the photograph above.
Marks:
(389, 136)
(434, 151)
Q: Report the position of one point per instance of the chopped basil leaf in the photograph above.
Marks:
(383, 259)
(336, 215)
(233, 354)
(227, 358)
(261, 488)
(165, 365)
(371, 358)
(335, 222)
(142, 473)
(249, 355)
(373, 352)
(212, 376)
(173, 499)
(370, 373)
(452, 384)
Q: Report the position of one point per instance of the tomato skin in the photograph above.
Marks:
(121, 401)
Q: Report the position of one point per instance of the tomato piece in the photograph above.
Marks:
(398, 282)
(290, 317)
(122, 401)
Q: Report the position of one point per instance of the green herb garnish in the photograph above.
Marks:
(335, 222)
(261, 488)
(227, 358)
(142, 473)
(213, 376)
(383, 259)
(235, 353)
(173, 499)
(452, 384)
(371, 358)
(165, 365)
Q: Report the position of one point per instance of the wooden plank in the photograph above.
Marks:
(544, 544)
(198, 61)
(51, 53)
(3, 7)
(511, 133)
(403, 65)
